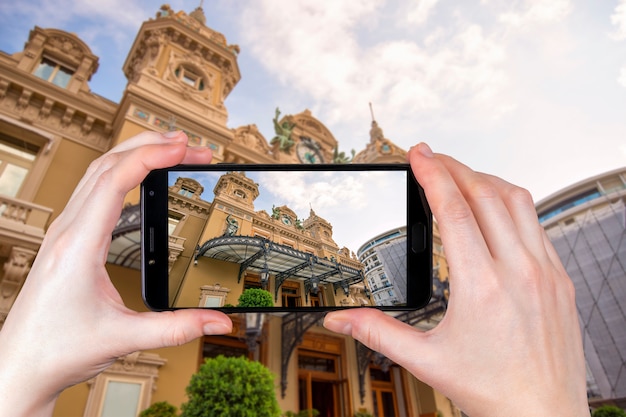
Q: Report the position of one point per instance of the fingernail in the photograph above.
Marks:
(338, 326)
(425, 150)
(172, 134)
(216, 328)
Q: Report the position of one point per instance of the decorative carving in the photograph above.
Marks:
(4, 86)
(24, 99)
(87, 125)
(250, 137)
(67, 117)
(16, 269)
(67, 45)
(44, 112)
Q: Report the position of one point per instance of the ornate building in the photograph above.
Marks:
(179, 73)
(228, 246)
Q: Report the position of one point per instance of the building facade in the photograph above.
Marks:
(586, 222)
(229, 246)
(384, 259)
(179, 73)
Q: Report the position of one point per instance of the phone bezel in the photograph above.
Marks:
(154, 235)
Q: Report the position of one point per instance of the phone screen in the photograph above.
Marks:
(287, 238)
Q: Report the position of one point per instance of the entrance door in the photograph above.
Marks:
(320, 384)
(317, 395)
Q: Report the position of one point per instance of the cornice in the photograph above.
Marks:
(91, 103)
(85, 120)
(189, 205)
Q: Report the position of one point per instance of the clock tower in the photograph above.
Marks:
(179, 73)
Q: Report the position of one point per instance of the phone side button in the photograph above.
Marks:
(418, 238)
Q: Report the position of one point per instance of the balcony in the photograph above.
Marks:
(22, 223)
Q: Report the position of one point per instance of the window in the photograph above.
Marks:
(186, 192)
(121, 399)
(383, 393)
(240, 194)
(291, 294)
(53, 72)
(190, 77)
(173, 220)
(17, 157)
(125, 388)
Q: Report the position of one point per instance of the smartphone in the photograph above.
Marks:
(285, 238)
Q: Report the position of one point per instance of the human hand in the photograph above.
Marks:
(69, 322)
(509, 343)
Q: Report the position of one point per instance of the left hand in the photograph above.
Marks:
(69, 322)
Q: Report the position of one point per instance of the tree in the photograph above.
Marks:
(608, 411)
(231, 387)
(160, 409)
(255, 297)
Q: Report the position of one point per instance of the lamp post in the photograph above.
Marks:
(254, 328)
(265, 276)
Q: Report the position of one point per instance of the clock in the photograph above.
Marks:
(286, 220)
(309, 151)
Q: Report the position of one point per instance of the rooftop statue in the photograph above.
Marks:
(341, 157)
(283, 133)
(376, 133)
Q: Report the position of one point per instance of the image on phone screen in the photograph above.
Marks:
(287, 240)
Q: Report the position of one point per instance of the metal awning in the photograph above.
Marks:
(262, 255)
(125, 249)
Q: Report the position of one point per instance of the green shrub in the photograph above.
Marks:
(608, 411)
(255, 297)
(160, 409)
(231, 387)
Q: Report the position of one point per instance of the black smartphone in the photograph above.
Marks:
(285, 237)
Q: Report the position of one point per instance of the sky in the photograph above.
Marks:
(532, 91)
(348, 200)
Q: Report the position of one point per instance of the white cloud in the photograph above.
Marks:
(420, 11)
(538, 11)
(621, 79)
(319, 53)
(359, 205)
(618, 19)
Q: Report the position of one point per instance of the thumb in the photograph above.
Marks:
(173, 328)
(403, 344)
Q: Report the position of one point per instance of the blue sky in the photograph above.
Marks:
(533, 91)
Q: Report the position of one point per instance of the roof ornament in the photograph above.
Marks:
(283, 139)
(198, 14)
(165, 11)
(376, 133)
